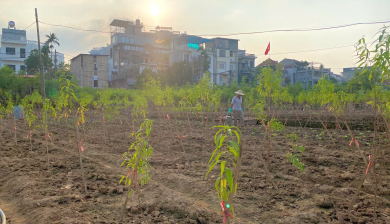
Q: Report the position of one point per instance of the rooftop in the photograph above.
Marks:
(88, 55)
(268, 62)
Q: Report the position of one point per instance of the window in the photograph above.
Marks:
(222, 43)
(95, 83)
(22, 53)
(231, 66)
(252, 64)
(94, 59)
(222, 53)
(186, 57)
(11, 66)
(131, 40)
(221, 65)
(231, 53)
(23, 67)
(10, 50)
(110, 52)
(95, 67)
(113, 39)
(220, 79)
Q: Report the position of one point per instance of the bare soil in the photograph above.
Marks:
(31, 192)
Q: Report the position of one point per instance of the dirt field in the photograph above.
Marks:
(178, 193)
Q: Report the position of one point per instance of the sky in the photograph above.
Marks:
(216, 17)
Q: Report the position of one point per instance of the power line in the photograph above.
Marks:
(97, 31)
(299, 30)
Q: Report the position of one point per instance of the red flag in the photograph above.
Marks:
(268, 48)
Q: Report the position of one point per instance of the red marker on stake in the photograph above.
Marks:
(352, 140)
(368, 167)
(48, 136)
(80, 146)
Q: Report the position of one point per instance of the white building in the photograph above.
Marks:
(15, 48)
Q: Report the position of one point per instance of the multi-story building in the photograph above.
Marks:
(304, 72)
(90, 70)
(15, 48)
(309, 76)
(348, 73)
(246, 64)
(131, 50)
(189, 48)
(225, 64)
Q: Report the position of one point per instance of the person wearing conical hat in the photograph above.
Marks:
(235, 106)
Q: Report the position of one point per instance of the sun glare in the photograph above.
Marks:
(154, 10)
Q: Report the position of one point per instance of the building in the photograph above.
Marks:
(225, 64)
(57, 56)
(348, 73)
(90, 70)
(189, 48)
(246, 65)
(132, 49)
(309, 75)
(266, 63)
(15, 48)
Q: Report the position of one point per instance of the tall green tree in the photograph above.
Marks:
(32, 62)
(51, 41)
(362, 80)
(45, 50)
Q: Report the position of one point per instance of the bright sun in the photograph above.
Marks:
(154, 10)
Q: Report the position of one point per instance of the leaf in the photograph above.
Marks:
(233, 151)
(223, 163)
(229, 178)
(212, 155)
(217, 187)
(234, 144)
(230, 132)
(210, 168)
(121, 179)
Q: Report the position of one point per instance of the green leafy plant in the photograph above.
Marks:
(29, 103)
(294, 158)
(227, 153)
(136, 160)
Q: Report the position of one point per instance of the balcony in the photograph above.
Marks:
(12, 57)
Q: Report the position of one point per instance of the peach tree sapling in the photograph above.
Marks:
(136, 160)
(227, 153)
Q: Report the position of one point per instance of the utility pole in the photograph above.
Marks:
(40, 56)
(55, 60)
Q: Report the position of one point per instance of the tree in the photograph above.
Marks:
(206, 61)
(295, 89)
(45, 50)
(302, 64)
(51, 41)
(362, 81)
(32, 62)
(180, 73)
(143, 76)
(333, 79)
